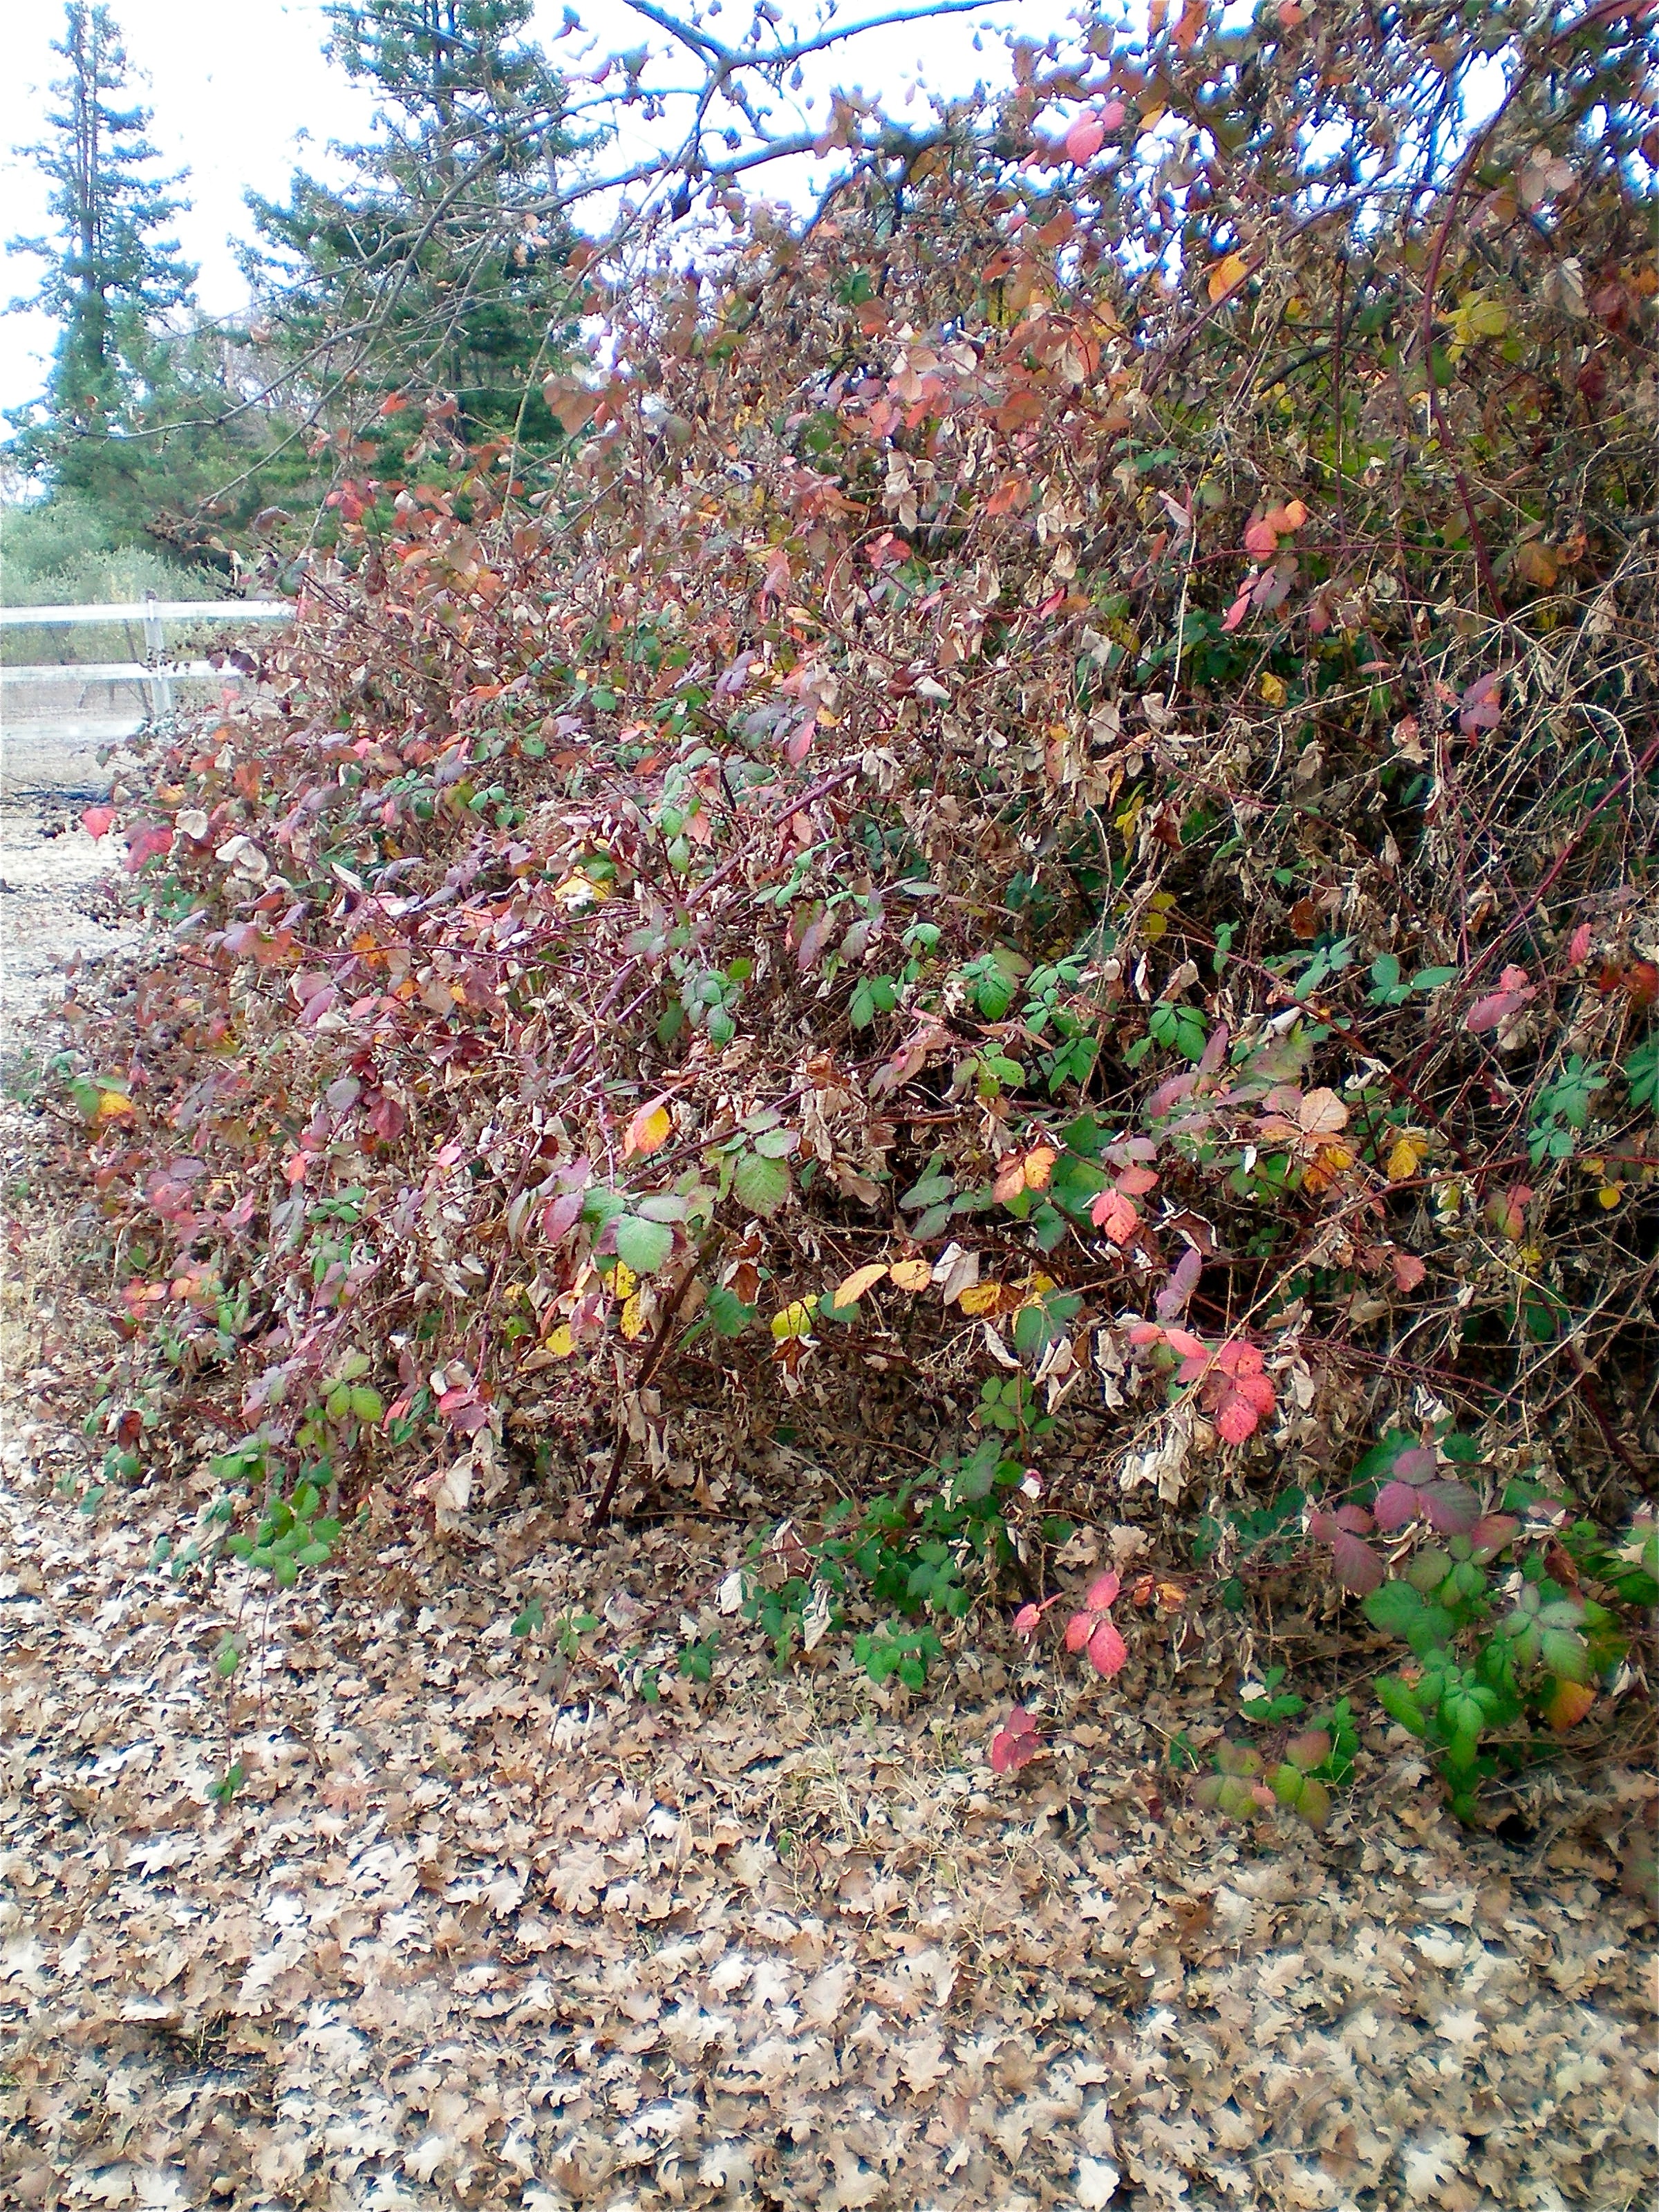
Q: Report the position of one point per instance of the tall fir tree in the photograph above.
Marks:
(112, 275)
(431, 269)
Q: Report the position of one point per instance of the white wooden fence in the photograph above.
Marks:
(156, 671)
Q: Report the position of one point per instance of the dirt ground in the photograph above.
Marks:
(484, 1925)
(49, 867)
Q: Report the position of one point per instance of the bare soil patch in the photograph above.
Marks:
(50, 911)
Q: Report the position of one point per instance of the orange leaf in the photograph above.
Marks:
(650, 1128)
(1568, 1703)
(1023, 1171)
(911, 1274)
(1227, 275)
(1114, 1212)
(852, 1287)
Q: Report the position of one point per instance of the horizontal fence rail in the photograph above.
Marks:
(155, 669)
(185, 611)
(103, 671)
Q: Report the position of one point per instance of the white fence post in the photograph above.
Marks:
(161, 686)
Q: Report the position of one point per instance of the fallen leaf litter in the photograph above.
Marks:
(470, 1934)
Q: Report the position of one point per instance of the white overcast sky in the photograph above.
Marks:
(242, 93)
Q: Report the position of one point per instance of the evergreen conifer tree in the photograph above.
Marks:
(431, 269)
(111, 275)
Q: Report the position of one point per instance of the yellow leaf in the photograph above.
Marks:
(912, 1274)
(578, 890)
(795, 1320)
(852, 1287)
(622, 1280)
(1404, 1157)
(980, 1298)
(560, 1341)
(632, 1323)
(1329, 1161)
(1159, 908)
(1228, 275)
(1274, 688)
(1607, 1196)
(113, 1105)
(650, 1128)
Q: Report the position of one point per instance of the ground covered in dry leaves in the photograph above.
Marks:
(483, 1926)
